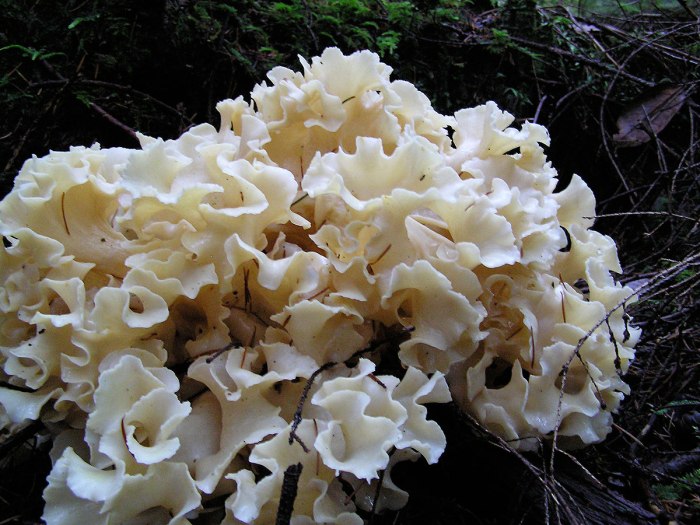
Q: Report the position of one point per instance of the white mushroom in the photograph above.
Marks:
(275, 263)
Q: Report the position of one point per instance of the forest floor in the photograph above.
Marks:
(617, 90)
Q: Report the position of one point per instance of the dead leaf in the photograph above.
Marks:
(648, 115)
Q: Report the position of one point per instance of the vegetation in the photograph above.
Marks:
(616, 88)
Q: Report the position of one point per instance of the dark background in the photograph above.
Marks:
(79, 72)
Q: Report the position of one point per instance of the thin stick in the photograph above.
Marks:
(290, 486)
(662, 213)
(377, 492)
(63, 212)
(220, 351)
(299, 200)
(652, 283)
(296, 419)
(113, 120)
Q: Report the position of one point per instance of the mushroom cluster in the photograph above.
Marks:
(211, 317)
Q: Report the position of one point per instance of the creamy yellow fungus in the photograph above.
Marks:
(326, 216)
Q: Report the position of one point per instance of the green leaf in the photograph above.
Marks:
(330, 20)
(228, 8)
(353, 7)
(83, 97)
(331, 37)
(399, 12)
(387, 42)
(77, 21)
(242, 59)
(673, 404)
(33, 54)
(500, 35)
(282, 9)
(678, 489)
(363, 34)
(29, 51)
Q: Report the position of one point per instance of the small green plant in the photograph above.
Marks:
(516, 96)
(82, 71)
(675, 404)
(82, 19)
(400, 12)
(501, 40)
(31, 53)
(387, 42)
(679, 489)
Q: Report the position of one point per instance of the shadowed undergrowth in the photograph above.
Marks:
(615, 89)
